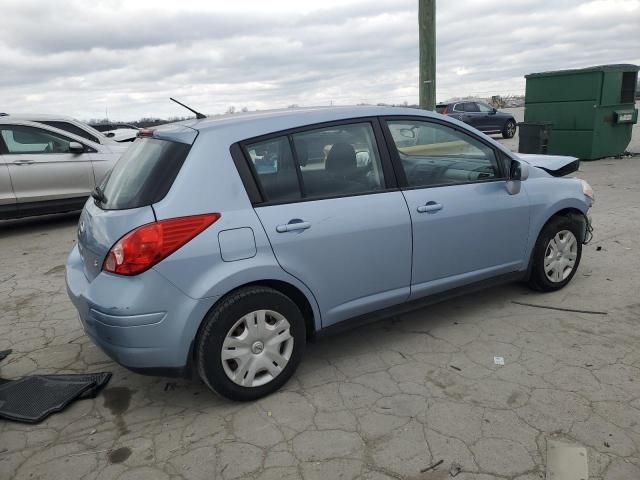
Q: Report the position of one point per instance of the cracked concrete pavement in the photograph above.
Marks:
(382, 401)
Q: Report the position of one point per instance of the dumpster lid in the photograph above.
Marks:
(619, 67)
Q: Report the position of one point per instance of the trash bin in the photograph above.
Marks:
(533, 137)
(591, 110)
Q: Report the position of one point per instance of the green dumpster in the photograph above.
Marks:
(591, 110)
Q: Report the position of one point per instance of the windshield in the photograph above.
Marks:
(143, 175)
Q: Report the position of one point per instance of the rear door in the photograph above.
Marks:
(334, 216)
(41, 166)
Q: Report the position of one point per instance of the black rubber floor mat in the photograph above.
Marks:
(99, 380)
(32, 399)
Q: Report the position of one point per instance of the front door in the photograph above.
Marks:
(332, 219)
(41, 166)
(7, 197)
(466, 226)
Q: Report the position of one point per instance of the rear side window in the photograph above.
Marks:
(71, 128)
(471, 107)
(276, 172)
(144, 174)
(441, 108)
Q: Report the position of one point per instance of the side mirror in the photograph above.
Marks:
(518, 173)
(493, 110)
(76, 147)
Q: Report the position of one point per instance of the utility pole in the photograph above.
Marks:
(427, 39)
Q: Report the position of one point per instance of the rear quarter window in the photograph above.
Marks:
(144, 174)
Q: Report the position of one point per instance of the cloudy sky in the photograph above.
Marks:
(125, 58)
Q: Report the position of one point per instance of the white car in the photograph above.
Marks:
(120, 132)
(49, 170)
(68, 124)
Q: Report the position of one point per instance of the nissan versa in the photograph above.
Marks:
(217, 247)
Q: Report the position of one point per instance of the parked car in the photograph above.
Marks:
(481, 116)
(192, 260)
(120, 132)
(65, 123)
(48, 170)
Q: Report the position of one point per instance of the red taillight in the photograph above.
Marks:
(142, 248)
(145, 132)
(446, 110)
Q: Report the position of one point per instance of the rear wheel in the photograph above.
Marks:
(556, 256)
(509, 129)
(251, 343)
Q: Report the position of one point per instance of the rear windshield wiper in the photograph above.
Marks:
(98, 194)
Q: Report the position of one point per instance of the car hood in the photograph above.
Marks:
(556, 165)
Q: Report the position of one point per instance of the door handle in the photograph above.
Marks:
(293, 225)
(429, 207)
(23, 162)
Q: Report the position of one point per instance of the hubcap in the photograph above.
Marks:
(257, 348)
(560, 256)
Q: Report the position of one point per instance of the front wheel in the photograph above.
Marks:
(250, 344)
(509, 129)
(556, 255)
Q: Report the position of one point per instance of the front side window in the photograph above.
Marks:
(275, 169)
(432, 154)
(471, 107)
(339, 160)
(484, 108)
(20, 139)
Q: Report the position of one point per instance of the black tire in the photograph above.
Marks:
(219, 321)
(509, 129)
(538, 279)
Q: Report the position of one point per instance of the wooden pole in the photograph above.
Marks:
(427, 39)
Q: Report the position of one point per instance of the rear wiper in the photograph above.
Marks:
(98, 194)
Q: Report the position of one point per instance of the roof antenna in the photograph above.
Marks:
(199, 115)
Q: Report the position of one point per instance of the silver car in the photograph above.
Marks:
(48, 170)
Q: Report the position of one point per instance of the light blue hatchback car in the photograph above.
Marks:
(217, 247)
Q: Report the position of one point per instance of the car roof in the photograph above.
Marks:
(9, 120)
(252, 124)
(41, 116)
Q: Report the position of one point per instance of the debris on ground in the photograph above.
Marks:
(561, 309)
(498, 360)
(4, 354)
(432, 466)
(455, 469)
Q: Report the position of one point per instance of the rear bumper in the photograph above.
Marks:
(143, 322)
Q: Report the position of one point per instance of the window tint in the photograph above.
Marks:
(339, 160)
(471, 107)
(458, 107)
(433, 154)
(71, 128)
(22, 139)
(144, 174)
(484, 107)
(276, 172)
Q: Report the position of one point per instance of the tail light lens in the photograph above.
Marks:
(142, 248)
